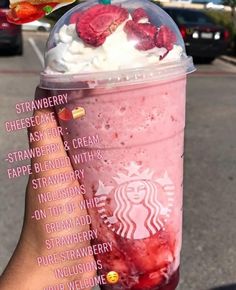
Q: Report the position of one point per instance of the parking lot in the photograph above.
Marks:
(209, 249)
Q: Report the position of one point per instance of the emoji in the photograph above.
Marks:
(67, 115)
(78, 112)
(112, 277)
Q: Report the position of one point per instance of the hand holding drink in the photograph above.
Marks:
(123, 67)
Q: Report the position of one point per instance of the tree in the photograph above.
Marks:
(232, 5)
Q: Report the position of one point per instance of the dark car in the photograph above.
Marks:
(10, 34)
(203, 38)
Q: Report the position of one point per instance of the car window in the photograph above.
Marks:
(190, 17)
(4, 4)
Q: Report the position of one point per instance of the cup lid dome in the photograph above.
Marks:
(107, 42)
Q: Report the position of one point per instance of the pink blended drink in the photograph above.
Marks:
(124, 125)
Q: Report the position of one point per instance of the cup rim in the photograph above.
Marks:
(116, 78)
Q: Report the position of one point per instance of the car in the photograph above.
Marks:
(10, 34)
(37, 25)
(203, 38)
(216, 6)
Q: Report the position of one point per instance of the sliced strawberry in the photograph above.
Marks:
(142, 264)
(65, 114)
(142, 33)
(139, 14)
(165, 38)
(98, 22)
(150, 281)
(26, 12)
(75, 17)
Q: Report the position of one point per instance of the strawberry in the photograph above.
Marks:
(165, 38)
(75, 17)
(139, 14)
(26, 12)
(142, 264)
(98, 22)
(142, 33)
(65, 114)
(150, 281)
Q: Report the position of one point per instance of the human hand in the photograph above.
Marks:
(33, 264)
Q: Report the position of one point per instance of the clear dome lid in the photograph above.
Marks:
(100, 43)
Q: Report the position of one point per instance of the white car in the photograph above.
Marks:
(212, 5)
(37, 25)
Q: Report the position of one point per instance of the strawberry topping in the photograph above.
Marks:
(142, 33)
(139, 14)
(165, 38)
(75, 17)
(141, 264)
(98, 22)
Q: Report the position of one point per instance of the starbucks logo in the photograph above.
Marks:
(141, 203)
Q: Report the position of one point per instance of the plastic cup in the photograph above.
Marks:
(126, 131)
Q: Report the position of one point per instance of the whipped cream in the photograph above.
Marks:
(71, 55)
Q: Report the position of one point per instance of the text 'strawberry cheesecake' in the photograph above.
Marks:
(123, 66)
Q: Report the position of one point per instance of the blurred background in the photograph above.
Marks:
(209, 31)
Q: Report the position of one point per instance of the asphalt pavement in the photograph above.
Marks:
(209, 241)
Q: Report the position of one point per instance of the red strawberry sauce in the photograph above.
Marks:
(146, 264)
